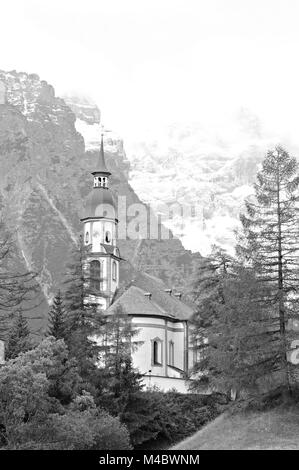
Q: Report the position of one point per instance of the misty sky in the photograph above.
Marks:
(149, 62)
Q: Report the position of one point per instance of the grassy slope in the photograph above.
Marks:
(275, 429)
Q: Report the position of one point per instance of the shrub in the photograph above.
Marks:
(90, 429)
(156, 416)
(40, 407)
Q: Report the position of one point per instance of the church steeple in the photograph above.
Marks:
(100, 226)
(101, 174)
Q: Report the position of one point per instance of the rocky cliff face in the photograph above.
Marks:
(205, 172)
(209, 170)
(45, 176)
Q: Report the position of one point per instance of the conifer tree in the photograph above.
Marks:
(82, 317)
(75, 292)
(207, 286)
(249, 308)
(270, 244)
(18, 340)
(57, 320)
(119, 381)
(18, 287)
(209, 296)
(240, 350)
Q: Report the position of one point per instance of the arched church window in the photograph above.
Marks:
(95, 276)
(171, 353)
(87, 238)
(108, 237)
(114, 271)
(157, 352)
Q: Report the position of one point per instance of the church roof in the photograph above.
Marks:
(99, 203)
(101, 163)
(135, 302)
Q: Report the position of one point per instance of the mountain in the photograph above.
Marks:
(45, 177)
(196, 177)
(207, 171)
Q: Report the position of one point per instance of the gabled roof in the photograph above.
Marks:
(135, 302)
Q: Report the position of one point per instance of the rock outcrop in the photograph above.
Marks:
(44, 178)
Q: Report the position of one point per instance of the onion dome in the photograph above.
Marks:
(100, 203)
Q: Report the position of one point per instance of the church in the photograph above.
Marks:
(165, 355)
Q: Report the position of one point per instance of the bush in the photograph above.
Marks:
(75, 430)
(40, 407)
(91, 429)
(156, 416)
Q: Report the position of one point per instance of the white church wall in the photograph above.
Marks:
(87, 233)
(173, 373)
(104, 265)
(114, 282)
(166, 383)
(108, 228)
(149, 328)
(97, 235)
(175, 333)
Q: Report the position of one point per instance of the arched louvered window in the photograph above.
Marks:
(114, 271)
(95, 276)
(108, 237)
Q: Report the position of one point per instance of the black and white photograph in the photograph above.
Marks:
(149, 229)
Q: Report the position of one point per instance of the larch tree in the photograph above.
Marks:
(270, 245)
(18, 287)
(243, 313)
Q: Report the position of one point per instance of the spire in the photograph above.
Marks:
(101, 164)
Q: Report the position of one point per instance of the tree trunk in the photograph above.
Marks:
(281, 306)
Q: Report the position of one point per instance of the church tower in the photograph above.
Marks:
(100, 224)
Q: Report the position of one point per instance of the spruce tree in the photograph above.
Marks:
(207, 285)
(18, 340)
(57, 320)
(82, 317)
(208, 292)
(118, 380)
